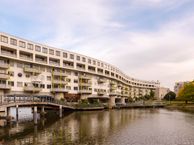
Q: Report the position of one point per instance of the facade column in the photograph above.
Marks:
(35, 115)
(60, 111)
(17, 116)
(112, 102)
(123, 100)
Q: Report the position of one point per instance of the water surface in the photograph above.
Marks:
(115, 127)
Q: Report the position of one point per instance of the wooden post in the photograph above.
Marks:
(35, 115)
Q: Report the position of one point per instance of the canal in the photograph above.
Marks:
(114, 127)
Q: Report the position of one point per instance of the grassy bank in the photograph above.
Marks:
(180, 105)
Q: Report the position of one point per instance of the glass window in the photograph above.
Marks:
(37, 48)
(51, 51)
(22, 44)
(13, 41)
(78, 58)
(89, 61)
(19, 84)
(4, 39)
(30, 46)
(83, 59)
(44, 50)
(71, 56)
(94, 62)
(64, 54)
(57, 53)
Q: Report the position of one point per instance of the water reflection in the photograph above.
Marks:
(146, 127)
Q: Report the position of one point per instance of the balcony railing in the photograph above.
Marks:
(101, 92)
(4, 76)
(32, 89)
(64, 90)
(5, 86)
(7, 53)
(26, 57)
(32, 70)
(85, 83)
(60, 82)
(4, 65)
(101, 81)
(85, 91)
(84, 77)
(59, 74)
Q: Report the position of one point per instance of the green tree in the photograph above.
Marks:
(170, 96)
(186, 93)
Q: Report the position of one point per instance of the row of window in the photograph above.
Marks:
(45, 50)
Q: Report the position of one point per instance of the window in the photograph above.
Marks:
(11, 73)
(58, 53)
(19, 84)
(11, 83)
(78, 58)
(30, 46)
(76, 81)
(68, 80)
(51, 51)
(64, 54)
(94, 62)
(75, 88)
(84, 59)
(19, 65)
(27, 75)
(37, 48)
(89, 61)
(42, 86)
(98, 63)
(13, 41)
(48, 86)
(71, 56)
(68, 87)
(48, 78)
(44, 50)
(22, 44)
(4, 39)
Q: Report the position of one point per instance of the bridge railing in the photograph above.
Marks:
(4, 100)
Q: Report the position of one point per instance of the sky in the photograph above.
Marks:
(146, 39)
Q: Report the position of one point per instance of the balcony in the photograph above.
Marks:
(85, 91)
(125, 94)
(59, 74)
(101, 92)
(4, 76)
(5, 86)
(32, 70)
(63, 90)
(113, 93)
(26, 57)
(64, 82)
(32, 89)
(101, 81)
(113, 83)
(84, 77)
(8, 53)
(4, 65)
(85, 84)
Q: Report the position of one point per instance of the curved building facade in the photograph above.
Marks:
(27, 67)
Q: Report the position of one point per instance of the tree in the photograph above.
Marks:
(170, 96)
(186, 93)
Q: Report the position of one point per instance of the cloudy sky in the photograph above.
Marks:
(147, 39)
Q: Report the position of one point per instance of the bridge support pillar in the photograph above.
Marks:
(123, 100)
(42, 113)
(17, 114)
(112, 102)
(35, 115)
(60, 111)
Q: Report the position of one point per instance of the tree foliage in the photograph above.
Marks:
(187, 92)
(170, 96)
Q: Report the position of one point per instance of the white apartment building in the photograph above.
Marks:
(29, 68)
(160, 92)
